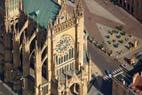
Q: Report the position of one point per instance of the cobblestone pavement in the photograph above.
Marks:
(97, 9)
(92, 17)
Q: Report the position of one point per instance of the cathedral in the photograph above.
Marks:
(43, 47)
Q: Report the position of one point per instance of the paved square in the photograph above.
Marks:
(118, 41)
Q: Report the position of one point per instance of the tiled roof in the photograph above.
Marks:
(42, 11)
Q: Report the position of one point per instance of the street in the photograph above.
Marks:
(101, 60)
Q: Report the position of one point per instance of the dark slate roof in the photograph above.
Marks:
(41, 11)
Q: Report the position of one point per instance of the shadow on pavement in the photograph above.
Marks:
(104, 86)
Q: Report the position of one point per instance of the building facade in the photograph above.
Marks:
(134, 7)
(128, 81)
(118, 88)
(43, 47)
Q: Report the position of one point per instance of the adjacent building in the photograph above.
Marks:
(43, 47)
(134, 7)
(121, 86)
(129, 80)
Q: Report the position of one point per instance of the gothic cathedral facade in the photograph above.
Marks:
(43, 47)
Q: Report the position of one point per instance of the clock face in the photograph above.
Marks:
(64, 44)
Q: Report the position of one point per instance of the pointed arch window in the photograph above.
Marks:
(62, 60)
(70, 53)
(56, 58)
(59, 60)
